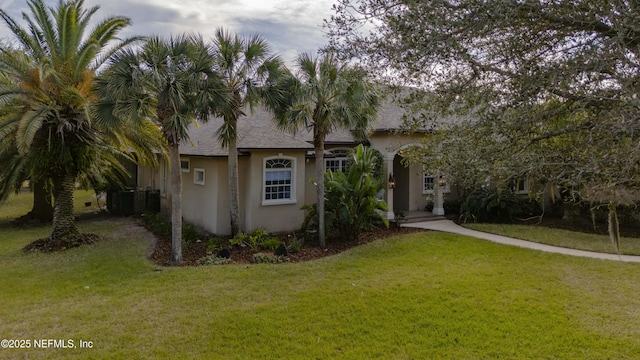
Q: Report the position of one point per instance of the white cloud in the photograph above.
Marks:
(291, 26)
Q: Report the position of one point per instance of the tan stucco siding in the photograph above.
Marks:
(388, 143)
(200, 203)
(208, 206)
(417, 200)
(274, 218)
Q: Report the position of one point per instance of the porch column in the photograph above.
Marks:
(438, 201)
(388, 162)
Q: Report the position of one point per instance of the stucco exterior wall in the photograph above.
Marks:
(207, 205)
(390, 143)
(201, 203)
(310, 194)
(280, 217)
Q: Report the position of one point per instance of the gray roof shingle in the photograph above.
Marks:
(258, 131)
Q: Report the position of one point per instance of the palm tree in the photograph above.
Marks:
(245, 63)
(14, 172)
(324, 96)
(48, 97)
(173, 82)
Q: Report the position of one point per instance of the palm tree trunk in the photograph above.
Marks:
(176, 204)
(233, 187)
(319, 149)
(63, 218)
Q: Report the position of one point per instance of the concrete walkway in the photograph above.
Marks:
(451, 227)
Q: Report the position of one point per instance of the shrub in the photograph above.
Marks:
(259, 234)
(490, 205)
(528, 207)
(270, 244)
(452, 206)
(215, 244)
(399, 217)
(239, 239)
(253, 239)
(353, 200)
(189, 232)
(295, 246)
(256, 237)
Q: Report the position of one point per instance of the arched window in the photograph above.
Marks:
(279, 180)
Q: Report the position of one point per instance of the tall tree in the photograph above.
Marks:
(324, 96)
(173, 82)
(48, 97)
(552, 86)
(245, 63)
(13, 174)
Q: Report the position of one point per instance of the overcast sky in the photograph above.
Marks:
(290, 26)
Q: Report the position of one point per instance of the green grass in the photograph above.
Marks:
(22, 202)
(563, 238)
(429, 295)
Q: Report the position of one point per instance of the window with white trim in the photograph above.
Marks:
(428, 181)
(279, 180)
(521, 187)
(198, 176)
(428, 184)
(185, 164)
(337, 160)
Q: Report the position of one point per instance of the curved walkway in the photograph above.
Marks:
(451, 227)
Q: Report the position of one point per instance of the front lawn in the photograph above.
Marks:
(562, 238)
(429, 295)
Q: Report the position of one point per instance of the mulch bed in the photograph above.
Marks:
(48, 245)
(191, 253)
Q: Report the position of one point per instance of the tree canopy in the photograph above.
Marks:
(551, 87)
(326, 95)
(47, 99)
(172, 82)
(244, 63)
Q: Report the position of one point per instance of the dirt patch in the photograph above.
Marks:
(119, 227)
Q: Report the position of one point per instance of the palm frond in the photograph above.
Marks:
(226, 133)
(43, 30)
(28, 42)
(30, 123)
(106, 55)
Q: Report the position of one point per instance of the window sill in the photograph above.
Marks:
(278, 202)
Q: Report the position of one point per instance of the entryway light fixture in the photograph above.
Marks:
(392, 181)
(442, 181)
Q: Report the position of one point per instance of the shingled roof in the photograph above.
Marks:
(257, 130)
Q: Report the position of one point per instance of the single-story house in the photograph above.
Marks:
(275, 169)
